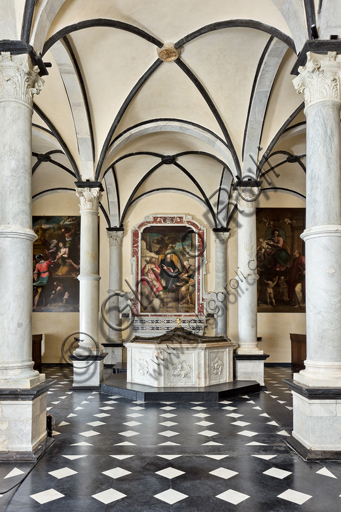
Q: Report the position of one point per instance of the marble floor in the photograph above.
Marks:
(115, 454)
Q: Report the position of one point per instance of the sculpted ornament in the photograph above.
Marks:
(320, 78)
(89, 198)
(143, 367)
(19, 80)
(217, 366)
(181, 369)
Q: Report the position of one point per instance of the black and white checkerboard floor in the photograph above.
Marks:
(115, 454)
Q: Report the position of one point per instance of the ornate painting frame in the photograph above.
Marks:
(148, 323)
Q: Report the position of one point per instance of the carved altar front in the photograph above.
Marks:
(179, 358)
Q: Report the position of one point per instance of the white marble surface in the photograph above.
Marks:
(115, 285)
(317, 423)
(88, 373)
(175, 365)
(22, 424)
(319, 81)
(221, 240)
(247, 288)
(250, 370)
(115, 355)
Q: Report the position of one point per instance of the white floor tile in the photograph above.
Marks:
(233, 497)
(129, 433)
(116, 472)
(277, 473)
(171, 496)
(46, 496)
(14, 472)
(208, 433)
(294, 496)
(62, 473)
(109, 496)
(247, 433)
(223, 473)
(170, 473)
(89, 433)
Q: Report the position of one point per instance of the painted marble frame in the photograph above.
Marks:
(194, 252)
(280, 260)
(56, 260)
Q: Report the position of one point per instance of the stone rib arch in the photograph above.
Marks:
(171, 126)
(77, 102)
(46, 11)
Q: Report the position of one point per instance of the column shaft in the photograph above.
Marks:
(115, 285)
(221, 239)
(247, 291)
(88, 277)
(320, 81)
(18, 82)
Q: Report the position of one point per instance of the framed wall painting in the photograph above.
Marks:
(56, 255)
(168, 260)
(280, 260)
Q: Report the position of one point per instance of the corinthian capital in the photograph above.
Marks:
(19, 79)
(319, 79)
(89, 198)
(115, 238)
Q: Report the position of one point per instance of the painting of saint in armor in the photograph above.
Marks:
(56, 254)
(280, 260)
(168, 270)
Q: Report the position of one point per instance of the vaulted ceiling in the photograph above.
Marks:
(112, 110)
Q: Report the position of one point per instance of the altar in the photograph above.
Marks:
(179, 358)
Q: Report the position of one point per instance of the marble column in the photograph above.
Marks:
(19, 81)
(249, 357)
(221, 238)
(316, 409)
(88, 357)
(114, 341)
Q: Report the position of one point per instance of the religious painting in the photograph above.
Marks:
(56, 260)
(168, 265)
(168, 269)
(280, 260)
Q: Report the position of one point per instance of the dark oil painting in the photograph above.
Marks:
(56, 254)
(280, 260)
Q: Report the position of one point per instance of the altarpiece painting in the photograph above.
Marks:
(56, 255)
(168, 256)
(280, 260)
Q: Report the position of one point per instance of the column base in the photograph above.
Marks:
(317, 420)
(88, 373)
(114, 350)
(318, 374)
(250, 367)
(23, 422)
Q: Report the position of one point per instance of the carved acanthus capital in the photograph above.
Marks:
(221, 237)
(89, 198)
(115, 238)
(19, 79)
(319, 79)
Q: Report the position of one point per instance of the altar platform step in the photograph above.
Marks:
(117, 385)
